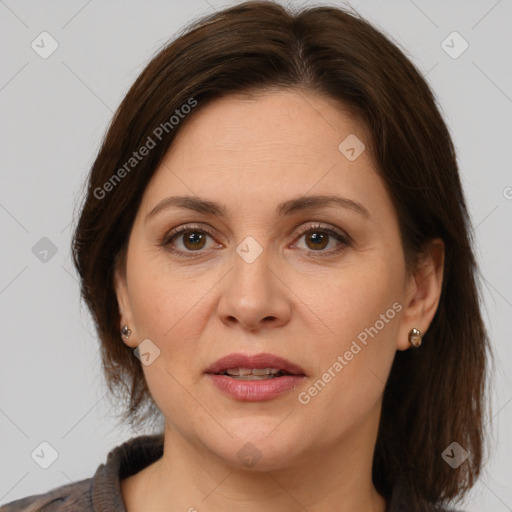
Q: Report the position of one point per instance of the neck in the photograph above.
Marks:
(336, 475)
(322, 483)
(189, 477)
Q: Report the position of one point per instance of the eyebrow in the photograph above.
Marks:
(284, 209)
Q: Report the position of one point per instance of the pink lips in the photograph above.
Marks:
(255, 390)
(262, 360)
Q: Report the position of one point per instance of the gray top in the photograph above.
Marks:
(102, 492)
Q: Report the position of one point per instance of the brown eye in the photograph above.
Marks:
(187, 241)
(193, 240)
(319, 240)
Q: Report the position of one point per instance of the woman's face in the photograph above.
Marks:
(281, 271)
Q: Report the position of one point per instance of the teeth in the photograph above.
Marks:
(253, 377)
(237, 372)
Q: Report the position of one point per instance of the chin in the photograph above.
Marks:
(259, 449)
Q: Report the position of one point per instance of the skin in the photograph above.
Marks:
(250, 154)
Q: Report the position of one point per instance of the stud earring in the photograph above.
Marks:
(415, 337)
(125, 332)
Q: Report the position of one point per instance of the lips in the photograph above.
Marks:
(256, 361)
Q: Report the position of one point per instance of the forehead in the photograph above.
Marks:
(273, 121)
(257, 148)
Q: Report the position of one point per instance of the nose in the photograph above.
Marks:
(254, 296)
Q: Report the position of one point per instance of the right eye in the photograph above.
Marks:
(192, 239)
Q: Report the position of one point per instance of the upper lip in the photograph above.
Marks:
(262, 360)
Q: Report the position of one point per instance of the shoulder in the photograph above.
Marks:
(102, 492)
(404, 499)
(74, 497)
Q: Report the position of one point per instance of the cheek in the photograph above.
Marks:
(165, 300)
(352, 366)
(354, 298)
(361, 310)
(166, 308)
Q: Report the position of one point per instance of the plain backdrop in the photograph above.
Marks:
(54, 112)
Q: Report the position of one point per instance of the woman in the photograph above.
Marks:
(275, 249)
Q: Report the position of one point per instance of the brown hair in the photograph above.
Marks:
(434, 395)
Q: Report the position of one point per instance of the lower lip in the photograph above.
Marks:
(255, 390)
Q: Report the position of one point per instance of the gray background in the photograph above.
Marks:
(54, 113)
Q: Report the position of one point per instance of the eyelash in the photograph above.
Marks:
(345, 240)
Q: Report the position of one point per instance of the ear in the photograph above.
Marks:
(123, 301)
(423, 291)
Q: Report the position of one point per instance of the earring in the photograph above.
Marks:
(125, 332)
(415, 337)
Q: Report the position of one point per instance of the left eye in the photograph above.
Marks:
(317, 239)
